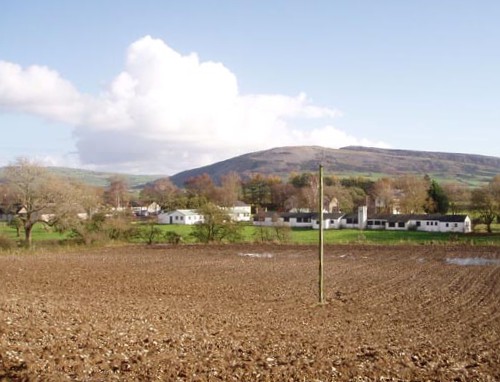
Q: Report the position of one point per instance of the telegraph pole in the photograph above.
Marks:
(321, 236)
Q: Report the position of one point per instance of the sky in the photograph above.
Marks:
(158, 86)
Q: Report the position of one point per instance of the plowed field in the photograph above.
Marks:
(250, 313)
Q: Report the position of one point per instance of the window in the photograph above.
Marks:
(286, 219)
(418, 224)
(392, 224)
(401, 224)
(447, 225)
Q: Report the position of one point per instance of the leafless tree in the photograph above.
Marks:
(39, 196)
(413, 193)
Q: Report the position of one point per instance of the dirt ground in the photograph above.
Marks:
(250, 313)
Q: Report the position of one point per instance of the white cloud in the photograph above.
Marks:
(166, 112)
(39, 90)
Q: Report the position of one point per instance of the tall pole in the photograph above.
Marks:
(321, 236)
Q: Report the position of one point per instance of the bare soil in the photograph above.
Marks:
(250, 313)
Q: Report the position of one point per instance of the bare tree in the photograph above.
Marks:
(338, 198)
(230, 190)
(161, 191)
(39, 196)
(200, 186)
(116, 194)
(485, 201)
(413, 193)
(384, 194)
(458, 195)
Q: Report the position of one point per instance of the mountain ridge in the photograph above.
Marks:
(371, 162)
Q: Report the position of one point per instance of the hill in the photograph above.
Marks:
(98, 178)
(370, 162)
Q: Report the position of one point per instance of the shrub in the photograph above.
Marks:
(173, 237)
(6, 242)
(151, 234)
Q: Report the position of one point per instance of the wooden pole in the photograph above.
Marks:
(321, 236)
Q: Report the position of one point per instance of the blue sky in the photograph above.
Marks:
(162, 86)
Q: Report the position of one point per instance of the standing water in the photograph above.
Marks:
(472, 261)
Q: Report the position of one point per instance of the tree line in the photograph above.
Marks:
(31, 195)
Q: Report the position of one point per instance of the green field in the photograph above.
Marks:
(45, 236)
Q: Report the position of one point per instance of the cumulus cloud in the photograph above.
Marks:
(166, 112)
(39, 90)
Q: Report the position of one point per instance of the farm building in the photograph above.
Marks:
(185, 217)
(240, 212)
(292, 219)
(361, 220)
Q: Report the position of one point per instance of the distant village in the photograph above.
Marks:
(336, 220)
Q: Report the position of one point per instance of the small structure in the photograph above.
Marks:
(291, 219)
(145, 210)
(240, 212)
(330, 220)
(361, 220)
(185, 217)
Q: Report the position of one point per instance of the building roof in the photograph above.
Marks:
(185, 212)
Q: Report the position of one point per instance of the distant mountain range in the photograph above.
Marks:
(354, 161)
(369, 162)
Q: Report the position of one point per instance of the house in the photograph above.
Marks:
(331, 220)
(361, 220)
(444, 223)
(140, 209)
(291, 219)
(240, 212)
(356, 220)
(186, 217)
(427, 223)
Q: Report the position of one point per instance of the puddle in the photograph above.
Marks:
(257, 255)
(472, 261)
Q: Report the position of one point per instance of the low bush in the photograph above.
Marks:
(6, 242)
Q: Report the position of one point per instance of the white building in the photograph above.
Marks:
(240, 212)
(361, 220)
(186, 217)
(330, 220)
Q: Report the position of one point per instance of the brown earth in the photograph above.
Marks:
(250, 313)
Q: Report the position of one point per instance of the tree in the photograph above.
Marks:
(161, 191)
(485, 201)
(230, 190)
(338, 198)
(201, 186)
(216, 226)
(310, 193)
(257, 190)
(458, 196)
(482, 201)
(116, 194)
(283, 196)
(494, 187)
(41, 197)
(413, 193)
(384, 194)
(437, 200)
